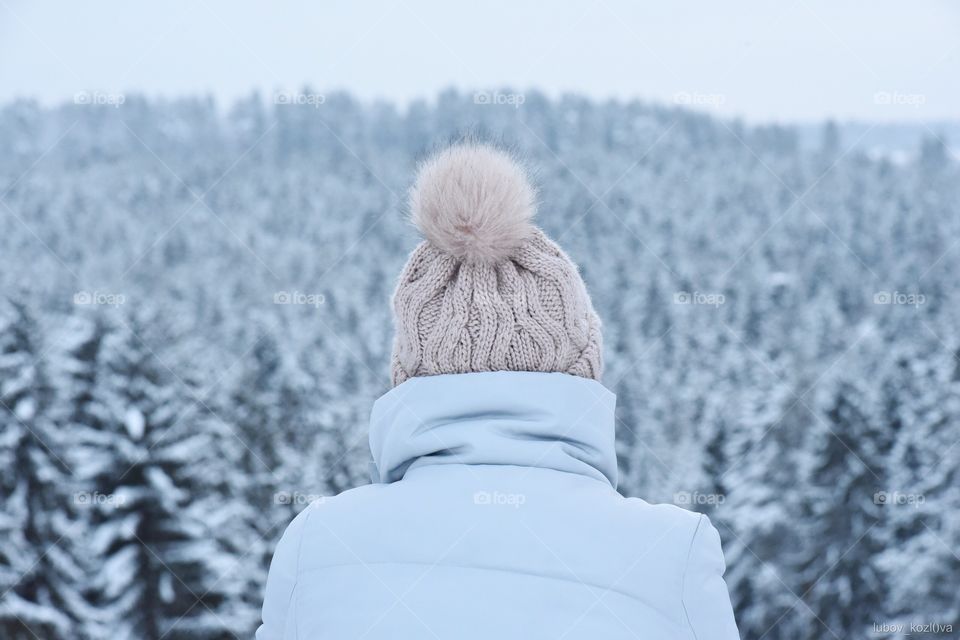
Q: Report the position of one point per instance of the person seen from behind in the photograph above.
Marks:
(493, 511)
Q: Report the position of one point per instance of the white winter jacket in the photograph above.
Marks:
(494, 515)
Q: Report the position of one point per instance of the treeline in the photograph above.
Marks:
(197, 322)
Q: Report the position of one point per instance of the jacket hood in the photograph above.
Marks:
(528, 419)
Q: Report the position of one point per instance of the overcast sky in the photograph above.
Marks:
(780, 60)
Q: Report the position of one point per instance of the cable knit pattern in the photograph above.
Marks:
(487, 291)
(529, 313)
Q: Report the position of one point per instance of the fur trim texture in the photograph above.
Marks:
(474, 202)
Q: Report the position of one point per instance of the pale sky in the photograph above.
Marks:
(784, 60)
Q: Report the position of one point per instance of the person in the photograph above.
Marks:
(493, 511)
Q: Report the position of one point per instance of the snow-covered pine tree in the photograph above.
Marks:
(843, 516)
(40, 578)
(265, 411)
(760, 514)
(254, 403)
(920, 560)
(160, 562)
(81, 416)
(221, 501)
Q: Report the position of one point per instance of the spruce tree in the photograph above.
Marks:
(40, 578)
(843, 519)
(161, 563)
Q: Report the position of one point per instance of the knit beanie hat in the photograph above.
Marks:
(487, 290)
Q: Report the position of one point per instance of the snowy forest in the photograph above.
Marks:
(195, 322)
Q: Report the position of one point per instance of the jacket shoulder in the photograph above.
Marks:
(668, 516)
(346, 502)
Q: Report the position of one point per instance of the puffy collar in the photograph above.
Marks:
(547, 420)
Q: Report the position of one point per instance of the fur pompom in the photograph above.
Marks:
(474, 202)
